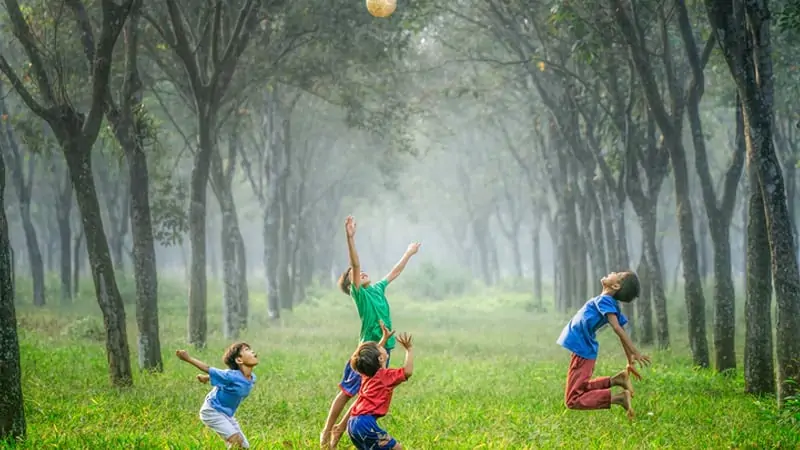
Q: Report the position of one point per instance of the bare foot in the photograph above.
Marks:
(336, 435)
(626, 403)
(324, 439)
(623, 380)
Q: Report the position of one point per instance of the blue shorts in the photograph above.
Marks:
(351, 380)
(365, 434)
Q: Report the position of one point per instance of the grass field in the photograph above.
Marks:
(488, 375)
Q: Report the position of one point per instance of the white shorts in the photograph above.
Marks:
(224, 425)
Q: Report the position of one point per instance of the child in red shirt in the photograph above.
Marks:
(375, 394)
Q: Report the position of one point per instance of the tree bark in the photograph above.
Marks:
(76, 261)
(23, 187)
(108, 296)
(744, 36)
(12, 410)
(644, 305)
(759, 366)
(64, 211)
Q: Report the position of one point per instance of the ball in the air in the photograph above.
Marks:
(381, 8)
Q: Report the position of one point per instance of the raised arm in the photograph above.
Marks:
(401, 265)
(387, 333)
(408, 365)
(183, 355)
(355, 266)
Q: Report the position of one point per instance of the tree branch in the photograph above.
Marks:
(22, 91)
(23, 32)
(114, 18)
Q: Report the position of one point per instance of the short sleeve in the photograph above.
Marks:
(357, 294)
(393, 377)
(607, 305)
(380, 286)
(219, 377)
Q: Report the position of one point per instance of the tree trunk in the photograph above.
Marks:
(244, 289)
(744, 36)
(76, 262)
(271, 261)
(287, 231)
(537, 259)
(230, 302)
(11, 151)
(130, 128)
(213, 258)
(12, 410)
(644, 305)
(198, 320)
(64, 211)
(108, 296)
(480, 231)
(693, 288)
(759, 367)
(144, 262)
(784, 262)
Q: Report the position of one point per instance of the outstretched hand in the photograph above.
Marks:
(387, 333)
(405, 340)
(413, 248)
(350, 226)
(183, 355)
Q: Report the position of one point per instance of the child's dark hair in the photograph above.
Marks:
(628, 287)
(366, 359)
(345, 281)
(233, 352)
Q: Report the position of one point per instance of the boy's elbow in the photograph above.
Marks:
(407, 371)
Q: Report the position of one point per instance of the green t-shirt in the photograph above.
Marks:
(372, 308)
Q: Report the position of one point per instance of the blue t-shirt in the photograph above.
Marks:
(230, 388)
(579, 336)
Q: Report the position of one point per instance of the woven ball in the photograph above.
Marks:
(381, 8)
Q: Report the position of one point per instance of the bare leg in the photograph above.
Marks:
(337, 406)
(623, 380)
(339, 429)
(623, 399)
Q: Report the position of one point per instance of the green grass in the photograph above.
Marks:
(488, 375)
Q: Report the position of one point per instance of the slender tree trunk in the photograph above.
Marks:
(198, 320)
(759, 366)
(537, 259)
(144, 262)
(64, 209)
(230, 303)
(12, 152)
(12, 410)
(108, 296)
(78, 245)
(644, 309)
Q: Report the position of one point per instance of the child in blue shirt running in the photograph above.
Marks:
(231, 386)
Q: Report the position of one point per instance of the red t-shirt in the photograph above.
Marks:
(375, 394)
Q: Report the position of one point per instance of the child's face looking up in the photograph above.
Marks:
(247, 357)
(611, 282)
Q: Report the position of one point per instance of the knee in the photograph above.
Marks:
(398, 446)
(571, 402)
